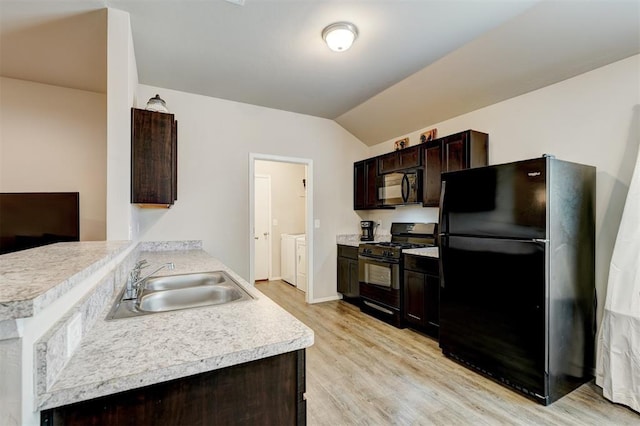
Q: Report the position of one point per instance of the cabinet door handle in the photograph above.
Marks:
(414, 316)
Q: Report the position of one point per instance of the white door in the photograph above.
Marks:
(262, 228)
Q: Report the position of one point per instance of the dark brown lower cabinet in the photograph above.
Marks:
(422, 293)
(266, 391)
(348, 281)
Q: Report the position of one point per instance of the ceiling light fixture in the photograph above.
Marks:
(340, 36)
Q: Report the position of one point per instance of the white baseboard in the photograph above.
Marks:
(275, 278)
(325, 299)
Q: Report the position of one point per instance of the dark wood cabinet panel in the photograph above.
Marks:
(433, 165)
(388, 163)
(266, 391)
(354, 280)
(422, 293)
(455, 152)
(153, 158)
(343, 275)
(453, 156)
(359, 186)
(365, 195)
(414, 297)
(408, 158)
(432, 301)
(347, 280)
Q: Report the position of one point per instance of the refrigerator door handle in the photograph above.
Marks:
(443, 228)
(443, 241)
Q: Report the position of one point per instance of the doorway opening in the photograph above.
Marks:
(281, 220)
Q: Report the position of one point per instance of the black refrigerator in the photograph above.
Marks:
(517, 262)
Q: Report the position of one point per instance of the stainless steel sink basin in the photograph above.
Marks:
(172, 282)
(189, 297)
(184, 291)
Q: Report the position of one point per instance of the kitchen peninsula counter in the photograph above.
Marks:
(33, 279)
(118, 355)
(50, 294)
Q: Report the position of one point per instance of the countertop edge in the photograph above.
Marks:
(117, 385)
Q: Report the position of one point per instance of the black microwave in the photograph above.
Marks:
(396, 189)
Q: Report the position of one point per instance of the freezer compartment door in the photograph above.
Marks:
(506, 200)
(492, 308)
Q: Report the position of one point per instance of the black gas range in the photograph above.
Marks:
(381, 273)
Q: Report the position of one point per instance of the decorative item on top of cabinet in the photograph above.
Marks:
(429, 135)
(154, 151)
(348, 280)
(401, 144)
(459, 151)
(421, 293)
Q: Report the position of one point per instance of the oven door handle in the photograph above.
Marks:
(376, 260)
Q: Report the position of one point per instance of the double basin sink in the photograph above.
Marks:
(184, 291)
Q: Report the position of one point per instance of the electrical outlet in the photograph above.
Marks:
(74, 333)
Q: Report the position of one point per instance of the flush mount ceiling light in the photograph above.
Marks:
(340, 36)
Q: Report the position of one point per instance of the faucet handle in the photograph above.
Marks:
(141, 264)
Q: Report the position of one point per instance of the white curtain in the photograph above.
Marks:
(618, 365)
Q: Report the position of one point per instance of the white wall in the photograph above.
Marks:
(287, 203)
(122, 81)
(52, 139)
(592, 119)
(215, 138)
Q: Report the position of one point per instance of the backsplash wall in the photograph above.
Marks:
(415, 213)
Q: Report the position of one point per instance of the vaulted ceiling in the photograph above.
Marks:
(414, 63)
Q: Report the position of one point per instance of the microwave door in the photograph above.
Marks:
(390, 191)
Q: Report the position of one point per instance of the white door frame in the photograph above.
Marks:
(270, 239)
(309, 214)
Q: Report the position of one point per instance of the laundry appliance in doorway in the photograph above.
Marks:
(293, 259)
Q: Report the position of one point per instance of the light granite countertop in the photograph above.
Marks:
(123, 354)
(425, 251)
(25, 290)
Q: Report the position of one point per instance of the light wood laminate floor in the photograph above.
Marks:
(363, 371)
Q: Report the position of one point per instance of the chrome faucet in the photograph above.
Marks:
(134, 282)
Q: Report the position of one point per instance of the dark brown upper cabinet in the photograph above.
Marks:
(460, 151)
(365, 195)
(408, 158)
(154, 162)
